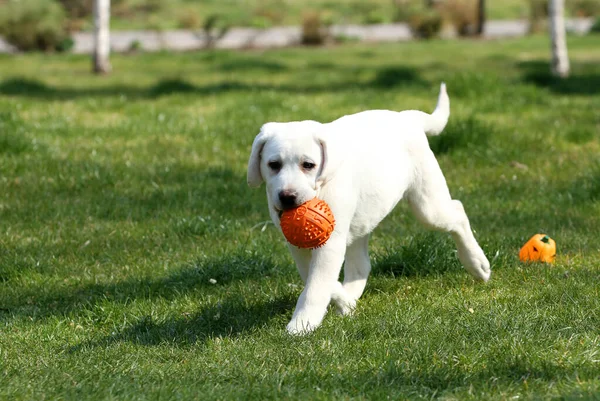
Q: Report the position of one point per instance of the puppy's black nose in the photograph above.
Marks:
(288, 199)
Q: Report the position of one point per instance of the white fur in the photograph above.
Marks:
(364, 164)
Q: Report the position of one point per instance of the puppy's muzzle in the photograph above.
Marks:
(288, 199)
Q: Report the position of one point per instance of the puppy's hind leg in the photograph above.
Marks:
(430, 200)
(357, 267)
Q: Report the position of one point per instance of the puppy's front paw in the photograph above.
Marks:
(302, 324)
(476, 263)
(344, 303)
(298, 328)
(345, 308)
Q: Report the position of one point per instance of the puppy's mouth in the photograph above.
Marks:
(278, 211)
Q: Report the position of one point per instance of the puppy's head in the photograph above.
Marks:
(292, 158)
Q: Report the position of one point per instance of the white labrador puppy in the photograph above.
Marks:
(361, 165)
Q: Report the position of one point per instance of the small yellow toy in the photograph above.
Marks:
(309, 225)
(540, 247)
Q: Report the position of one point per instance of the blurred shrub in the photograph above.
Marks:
(462, 14)
(328, 17)
(132, 9)
(78, 8)
(149, 6)
(423, 18)
(35, 25)
(214, 28)
(584, 8)
(314, 31)
(538, 15)
(189, 19)
(596, 26)
(66, 45)
(374, 17)
(271, 13)
(426, 23)
(368, 12)
(401, 14)
(404, 10)
(135, 46)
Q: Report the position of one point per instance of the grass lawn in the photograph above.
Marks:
(136, 264)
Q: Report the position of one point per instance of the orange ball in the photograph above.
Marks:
(309, 225)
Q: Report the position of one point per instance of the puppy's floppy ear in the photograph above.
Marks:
(331, 155)
(254, 177)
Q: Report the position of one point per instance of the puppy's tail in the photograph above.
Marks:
(435, 122)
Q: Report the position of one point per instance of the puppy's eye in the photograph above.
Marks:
(274, 165)
(308, 165)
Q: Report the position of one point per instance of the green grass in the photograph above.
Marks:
(121, 197)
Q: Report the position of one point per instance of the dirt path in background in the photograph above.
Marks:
(247, 38)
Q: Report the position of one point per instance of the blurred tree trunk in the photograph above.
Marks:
(560, 58)
(480, 17)
(101, 37)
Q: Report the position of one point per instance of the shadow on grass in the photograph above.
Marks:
(245, 64)
(118, 192)
(427, 253)
(584, 80)
(229, 317)
(194, 277)
(385, 78)
(395, 76)
(445, 380)
(586, 187)
(466, 133)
